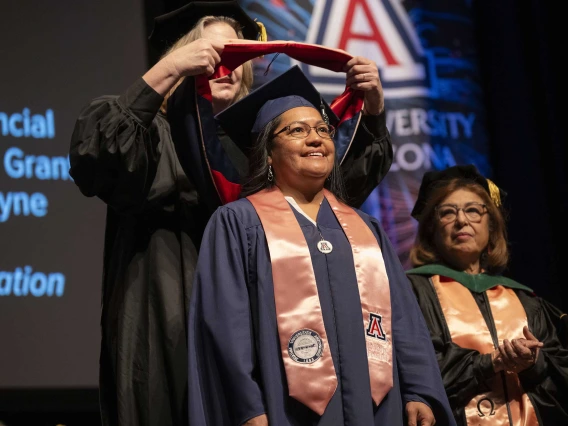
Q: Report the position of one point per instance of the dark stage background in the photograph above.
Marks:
(57, 56)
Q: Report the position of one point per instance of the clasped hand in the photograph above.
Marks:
(517, 355)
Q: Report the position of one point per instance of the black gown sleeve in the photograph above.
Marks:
(547, 380)
(368, 159)
(116, 146)
(464, 371)
(559, 319)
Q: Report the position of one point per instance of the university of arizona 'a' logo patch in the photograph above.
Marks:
(375, 328)
(379, 30)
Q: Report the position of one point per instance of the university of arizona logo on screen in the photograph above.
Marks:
(379, 30)
(375, 328)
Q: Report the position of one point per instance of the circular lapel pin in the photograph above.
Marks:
(325, 246)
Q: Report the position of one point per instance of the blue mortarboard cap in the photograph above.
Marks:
(274, 107)
(289, 90)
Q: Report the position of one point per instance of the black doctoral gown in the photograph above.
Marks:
(122, 152)
(465, 371)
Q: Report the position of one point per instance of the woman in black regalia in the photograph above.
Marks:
(497, 343)
(122, 151)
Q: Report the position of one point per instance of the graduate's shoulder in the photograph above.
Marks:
(533, 303)
(369, 220)
(242, 210)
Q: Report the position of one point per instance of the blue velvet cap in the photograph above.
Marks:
(243, 120)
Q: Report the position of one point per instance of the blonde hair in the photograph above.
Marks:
(195, 34)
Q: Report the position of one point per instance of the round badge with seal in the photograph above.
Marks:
(325, 247)
(305, 346)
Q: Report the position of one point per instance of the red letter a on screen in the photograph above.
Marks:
(376, 36)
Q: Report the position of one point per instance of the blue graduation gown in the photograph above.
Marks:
(236, 370)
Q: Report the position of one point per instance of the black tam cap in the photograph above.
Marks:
(436, 179)
(289, 90)
(168, 28)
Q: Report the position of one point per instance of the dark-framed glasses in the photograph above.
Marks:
(473, 212)
(301, 130)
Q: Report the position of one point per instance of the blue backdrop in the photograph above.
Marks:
(427, 61)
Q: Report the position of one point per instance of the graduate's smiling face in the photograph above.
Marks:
(300, 161)
(223, 90)
(462, 240)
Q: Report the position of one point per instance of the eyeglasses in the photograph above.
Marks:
(449, 212)
(301, 130)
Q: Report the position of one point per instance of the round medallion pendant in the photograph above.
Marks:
(305, 346)
(325, 246)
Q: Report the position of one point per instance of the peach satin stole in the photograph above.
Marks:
(310, 372)
(468, 329)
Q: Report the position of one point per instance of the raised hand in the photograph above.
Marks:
(198, 57)
(362, 74)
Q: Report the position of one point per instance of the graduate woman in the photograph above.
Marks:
(301, 313)
(496, 342)
(122, 152)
